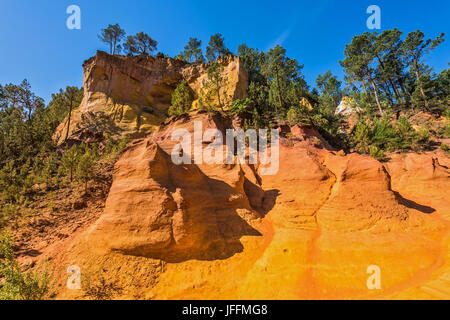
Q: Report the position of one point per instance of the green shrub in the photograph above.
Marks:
(50, 168)
(380, 136)
(240, 107)
(361, 137)
(70, 160)
(17, 284)
(181, 99)
(445, 147)
(16, 183)
(317, 143)
(8, 212)
(376, 153)
(85, 171)
(115, 147)
(447, 131)
(293, 116)
(383, 135)
(446, 113)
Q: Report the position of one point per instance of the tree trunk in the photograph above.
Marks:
(280, 101)
(419, 83)
(397, 93)
(68, 120)
(376, 96)
(388, 93)
(391, 82)
(406, 94)
(365, 89)
(218, 95)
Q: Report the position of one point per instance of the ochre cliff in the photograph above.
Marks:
(308, 232)
(130, 96)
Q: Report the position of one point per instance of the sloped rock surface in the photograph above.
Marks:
(308, 232)
(131, 95)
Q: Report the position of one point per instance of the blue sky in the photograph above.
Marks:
(35, 43)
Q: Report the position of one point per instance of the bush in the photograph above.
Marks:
(16, 284)
(49, 169)
(69, 161)
(446, 113)
(84, 171)
(445, 147)
(379, 136)
(240, 107)
(8, 212)
(181, 99)
(100, 289)
(293, 116)
(113, 147)
(376, 153)
(361, 137)
(15, 183)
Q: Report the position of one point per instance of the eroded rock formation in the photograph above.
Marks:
(310, 231)
(199, 231)
(174, 212)
(131, 95)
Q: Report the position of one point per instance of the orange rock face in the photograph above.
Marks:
(161, 210)
(131, 95)
(315, 230)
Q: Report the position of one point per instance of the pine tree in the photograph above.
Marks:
(112, 36)
(192, 52)
(84, 169)
(216, 47)
(212, 94)
(181, 99)
(415, 47)
(140, 44)
(70, 160)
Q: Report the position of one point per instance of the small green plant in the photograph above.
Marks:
(9, 212)
(317, 143)
(293, 116)
(447, 131)
(446, 113)
(17, 284)
(445, 147)
(361, 137)
(50, 168)
(100, 289)
(84, 170)
(376, 153)
(240, 106)
(115, 147)
(70, 161)
(181, 99)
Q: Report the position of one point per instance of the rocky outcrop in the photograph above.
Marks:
(130, 96)
(349, 110)
(310, 231)
(347, 107)
(161, 210)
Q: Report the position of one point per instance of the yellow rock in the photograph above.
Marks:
(130, 96)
